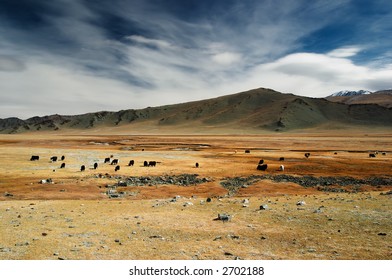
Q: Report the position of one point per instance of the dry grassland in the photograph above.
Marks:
(73, 217)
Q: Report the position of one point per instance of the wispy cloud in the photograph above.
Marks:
(82, 57)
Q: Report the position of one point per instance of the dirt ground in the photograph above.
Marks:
(73, 217)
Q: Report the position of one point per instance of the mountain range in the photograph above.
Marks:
(382, 97)
(255, 110)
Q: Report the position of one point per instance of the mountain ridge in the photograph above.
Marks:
(254, 110)
(381, 97)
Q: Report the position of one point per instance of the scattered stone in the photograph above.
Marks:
(157, 237)
(228, 254)
(188, 204)
(22, 244)
(44, 234)
(217, 238)
(5, 249)
(387, 193)
(224, 217)
(46, 181)
(233, 236)
(301, 203)
(382, 234)
(264, 207)
(7, 194)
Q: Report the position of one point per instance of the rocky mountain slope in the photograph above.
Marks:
(254, 110)
(382, 98)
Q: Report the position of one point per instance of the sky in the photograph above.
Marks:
(78, 56)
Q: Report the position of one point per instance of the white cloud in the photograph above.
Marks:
(345, 52)
(148, 41)
(318, 75)
(10, 64)
(226, 58)
(177, 61)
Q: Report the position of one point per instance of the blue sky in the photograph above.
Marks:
(77, 56)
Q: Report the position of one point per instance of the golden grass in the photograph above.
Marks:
(74, 219)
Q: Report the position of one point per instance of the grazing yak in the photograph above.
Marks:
(372, 155)
(34, 158)
(95, 165)
(281, 168)
(261, 161)
(117, 168)
(152, 163)
(82, 168)
(62, 165)
(53, 159)
(106, 160)
(62, 158)
(262, 167)
(114, 162)
(145, 164)
(131, 162)
(281, 159)
(197, 165)
(307, 155)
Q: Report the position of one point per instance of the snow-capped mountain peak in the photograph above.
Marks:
(350, 92)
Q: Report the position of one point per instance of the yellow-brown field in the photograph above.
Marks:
(73, 217)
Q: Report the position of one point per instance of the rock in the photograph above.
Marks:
(157, 237)
(22, 244)
(224, 217)
(301, 203)
(233, 236)
(46, 181)
(264, 207)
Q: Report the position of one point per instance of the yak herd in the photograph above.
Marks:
(95, 166)
(262, 166)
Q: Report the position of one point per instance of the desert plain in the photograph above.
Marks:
(335, 204)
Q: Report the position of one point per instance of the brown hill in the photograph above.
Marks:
(382, 98)
(251, 111)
